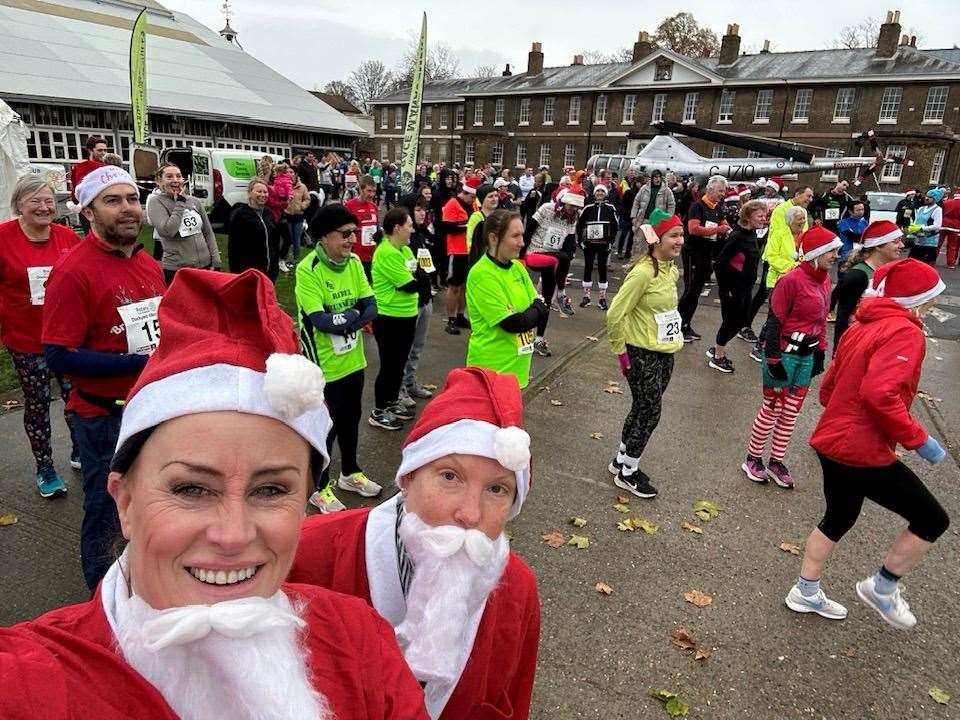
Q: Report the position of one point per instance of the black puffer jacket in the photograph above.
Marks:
(253, 241)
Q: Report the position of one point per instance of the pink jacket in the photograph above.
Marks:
(280, 192)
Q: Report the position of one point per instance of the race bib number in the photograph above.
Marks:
(37, 277)
(595, 231)
(142, 325)
(832, 214)
(668, 326)
(366, 235)
(342, 344)
(426, 260)
(525, 342)
(554, 239)
(190, 224)
(908, 212)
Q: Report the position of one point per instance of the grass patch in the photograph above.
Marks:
(285, 283)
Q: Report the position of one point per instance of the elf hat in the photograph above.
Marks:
(816, 241)
(478, 412)
(657, 224)
(908, 282)
(226, 346)
(471, 184)
(99, 180)
(880, 232)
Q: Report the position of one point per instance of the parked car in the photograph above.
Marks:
(883, 205)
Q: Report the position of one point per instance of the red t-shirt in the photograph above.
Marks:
(79, 171)
(88, 294)
(366, 213)
(24, 266)
(454, 212)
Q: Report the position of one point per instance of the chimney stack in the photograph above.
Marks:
(506, 72)
(889, 36)
(642, 47)
(730, 45)
(913, 41)
(904, 40)
(535, 60)
(577, 60)
(766, 46)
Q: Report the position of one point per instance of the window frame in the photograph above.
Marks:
(444, 116)
(523, 112)
(570, 154)
(629, 103)
(499, 111)
(544, 154)
(384, 117)
(808, 94)
(891, 117)
(764, 104)
(496, 153)
(688, 105)
(477, 114)
(727, 100)
(849, 96)
(521, 145)
(459, 116)
(428, 117)
(659, 104)
(398, 118)
(941, 103)
(575, 102)
(939, 159)
(549, 103)
(893, 151)
(600, 110)
(470, 151)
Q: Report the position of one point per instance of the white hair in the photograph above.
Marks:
(795, 212)
(716, 181)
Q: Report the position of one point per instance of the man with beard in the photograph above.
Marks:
(434, 561)
(99, 327)
(220, 442)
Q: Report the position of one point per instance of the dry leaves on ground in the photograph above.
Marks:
(706, 510)
(939, 695)
(636, 523)
(621, 508)
(613, 390)
(578, 521)
(7, 519)
(593, 338)
(556, 403)
(674, 706)
(685, 641)
(579, 542)
(431, 387)
(623, 499)
(791, 548)
(11, 404)
(849, 652)
(691, 528)
(700, 599)
(597, 435)
(554, 539)
(603, 588)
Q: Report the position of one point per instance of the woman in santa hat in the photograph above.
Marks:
(880, 243)
(795, 351)
(434, 560)
(220, 439)
(868, 392)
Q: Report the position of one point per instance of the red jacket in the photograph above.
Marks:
(951, 213)
(870, 386)
(800, 300)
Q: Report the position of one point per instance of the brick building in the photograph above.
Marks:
(560, 116)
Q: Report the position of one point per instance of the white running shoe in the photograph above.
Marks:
(359, 483)
(819, 604)
(892, 608)
(326, 502)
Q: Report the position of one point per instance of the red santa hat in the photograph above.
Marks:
(908, 282)
(226, 345)
(743, 191)
(816, 241)
(479, 412)
(880, 232)
(775, 183)
(910, 192)
(471, 184)
(731, 195)
(572, 195)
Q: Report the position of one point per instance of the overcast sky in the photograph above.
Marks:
(314, 41)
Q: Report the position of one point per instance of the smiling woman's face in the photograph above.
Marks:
(212, 507)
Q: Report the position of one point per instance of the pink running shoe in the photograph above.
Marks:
(778, 472)
(755, 470)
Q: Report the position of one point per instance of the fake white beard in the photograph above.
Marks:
(260, 676)
(455, 571)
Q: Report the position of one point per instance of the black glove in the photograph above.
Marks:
(819, 359)
(777, 370)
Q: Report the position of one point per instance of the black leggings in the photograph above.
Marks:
(701, 260)
(394, 339)
(893, 487)
(601, 253)
(648, 378)
(563, 269)
(734, 308)
(759, 297)
(343, 398)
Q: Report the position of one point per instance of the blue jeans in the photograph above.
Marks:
(419, 340)
(296, 232)
(97, 441)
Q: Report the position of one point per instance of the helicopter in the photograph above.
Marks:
(668, 154)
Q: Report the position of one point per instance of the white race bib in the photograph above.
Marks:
(832, 214)
(366, 235)
(141, 325)
(410, 265)
(37, 277)
(191, 223)
(525, 342)
(668, 326)
(426, 260)
(553, 239)
(595, 231)
(908, 212)
(342, 344)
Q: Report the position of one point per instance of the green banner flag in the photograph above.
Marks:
(411, 135)
(138, 77)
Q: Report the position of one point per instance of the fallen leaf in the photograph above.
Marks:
(597, 435)
(691, 528)
(613, 390)
(578, 521)
(11, 404)
(939, 695)
(620, 507)
(430, 387)
(683, 639)
(556, 403)
(698, 598)
(7, 519)
(850, 652)
(603, 588)
(579, 542)
(643, 524)
(707, 506)
(592, 338)
(702, 654)
(623, 499)
(674, 706)
(613, 382)
(791, 548)
(703, 515)
(554, 539)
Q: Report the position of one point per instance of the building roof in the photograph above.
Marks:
(337, 102)
(811, 65)
(76, 52)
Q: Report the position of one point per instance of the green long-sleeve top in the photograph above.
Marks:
(631, 319)
(781, 250)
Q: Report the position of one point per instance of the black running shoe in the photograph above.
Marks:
(602, 304)
(585, 302)
(637, 483)
(747, 335)
(451, 328)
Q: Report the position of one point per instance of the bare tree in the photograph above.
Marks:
(598, 57)
(484, 71)
(369, 81)
(682, 34)
(341, 88)
(865, 34)
(442, 63)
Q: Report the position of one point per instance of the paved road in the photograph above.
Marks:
(600, 655)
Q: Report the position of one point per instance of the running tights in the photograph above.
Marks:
(547, 266)
(778, 417)
(648, 378)
(600, 253)
(343, 399)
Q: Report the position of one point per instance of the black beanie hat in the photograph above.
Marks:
(483, 191)
(329, 218)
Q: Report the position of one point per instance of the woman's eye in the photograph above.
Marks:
(499, 489)
(448, 475)
(270, 491)
(190, 490)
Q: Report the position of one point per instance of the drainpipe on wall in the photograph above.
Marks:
(593, 102)
(786, 100)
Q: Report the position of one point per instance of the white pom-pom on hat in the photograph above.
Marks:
(293, 384)
(511, 445)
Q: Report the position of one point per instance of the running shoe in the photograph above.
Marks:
(402, 413)
(637, 483)
(404, 400)
(757, 353)
(602, 304)
(711, 352)
(419, 392)
(754, 468)
(451, 328)
(49, 483)
(383, 420)
(614, 467)
(892, 608)
(359, 483)
(326, 502)
(689, 334)
(586, 301)
(748, 335)
(75, 460)
(723, 364)
(566, 307)
(778, 472)
(462, 322)
(284, 267)
(541, 348)
(819, 604)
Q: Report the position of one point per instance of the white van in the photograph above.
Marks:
(218, 177)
